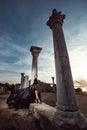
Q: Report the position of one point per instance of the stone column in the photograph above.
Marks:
(52, 80)
(35, 51)
(22, 80)
(67, 110)
(26, 81)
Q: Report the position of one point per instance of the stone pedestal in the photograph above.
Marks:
(45, 114)
(35, 51)
(67, 110)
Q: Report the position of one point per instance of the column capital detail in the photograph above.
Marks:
(35, 50)
(56, 17)
(22, 73)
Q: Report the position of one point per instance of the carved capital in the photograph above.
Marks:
(35, 50)
(56, 17)
(22, 74)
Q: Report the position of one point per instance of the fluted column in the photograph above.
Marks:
(35, 51)
(67, 110)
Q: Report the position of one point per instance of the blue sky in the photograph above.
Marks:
(23, 24)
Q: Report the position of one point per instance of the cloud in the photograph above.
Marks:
(23, 23)
(14, 59)
(77, 48)
(78, 62)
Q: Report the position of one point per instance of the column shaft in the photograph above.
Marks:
(26, 82)
(35, 51)
(53, 80)
(22, 79)
(65, 88)
(34, 68)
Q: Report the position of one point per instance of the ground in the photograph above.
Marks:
(22, 119)
(81, 98)
(11, 119)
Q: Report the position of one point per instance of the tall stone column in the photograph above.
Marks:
(22, 80)
(35, 51)
(67, 110)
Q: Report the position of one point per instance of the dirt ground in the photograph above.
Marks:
(11, 119)
(22, 119)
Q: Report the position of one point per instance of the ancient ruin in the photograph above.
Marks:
(24, 81)
(35, 51)
(67, 109)
(52, 81)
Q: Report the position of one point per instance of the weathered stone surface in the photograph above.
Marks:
(26, 81)
(46, 115)
(22, 80)
(67, 108)
(35, 51)
(65, 88)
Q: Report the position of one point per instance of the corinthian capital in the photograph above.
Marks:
(56, 17)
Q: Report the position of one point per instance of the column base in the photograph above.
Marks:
(70, 118)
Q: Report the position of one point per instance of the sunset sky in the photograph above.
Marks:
(23, 24)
